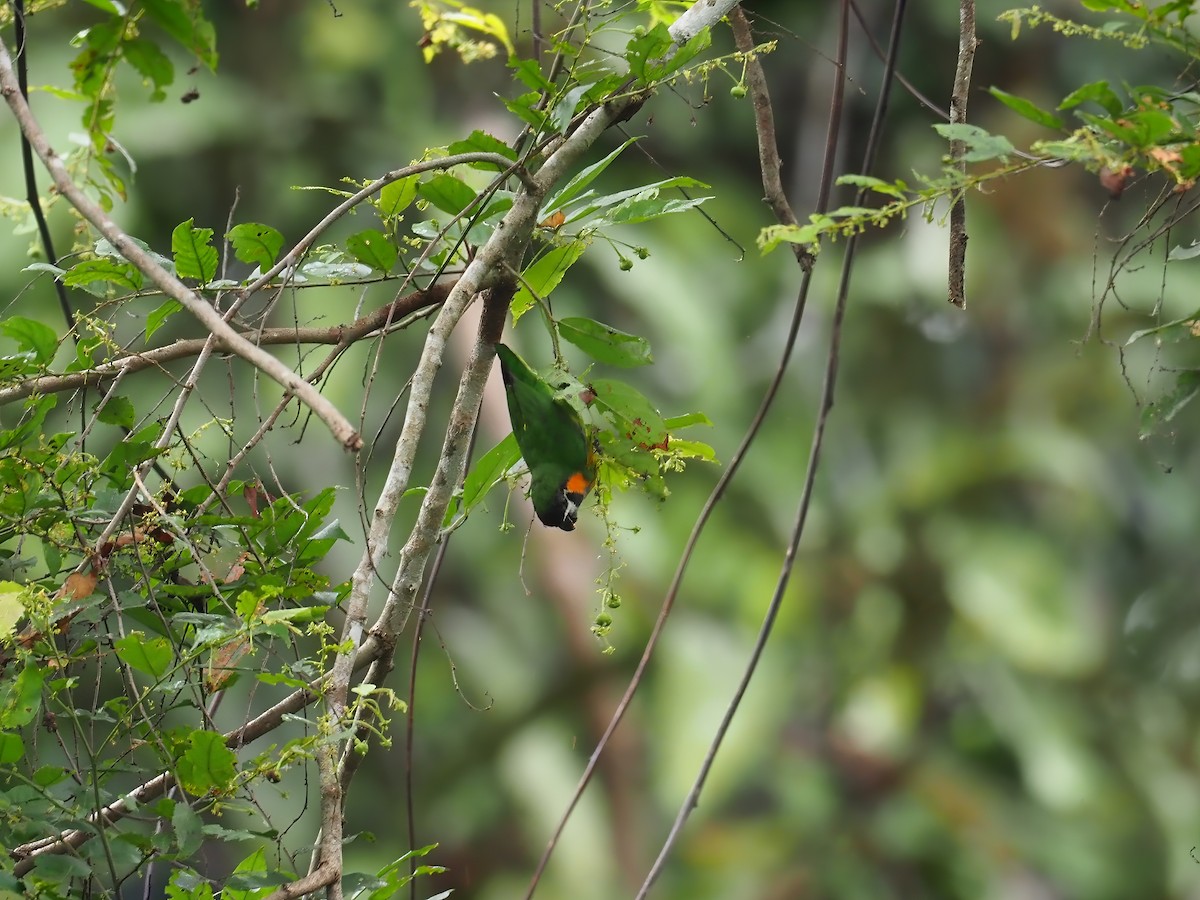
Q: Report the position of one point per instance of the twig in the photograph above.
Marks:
(446, 162)
(827, 394)
(135, 362)
(337, 423)
(718, 492)
(958, 116)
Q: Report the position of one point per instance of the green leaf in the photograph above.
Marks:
(53, 867)
(697, 44)
(154, 656)
(187, 826)
(481, 142)
(1168, 406)
(256, 244)
(207, 764)
(645, 51)
(896, 189)
(184, 20)
(12, 748)
(648, 205)
(110, 271)
(373, 248)
(1026, 108)
(12, 608)
(981, 145)
(152, 64)
(638, 420)
(118, 410)
(22, 697)
(488, 471)
(396, 197)
(576, 185)
(605, 343)
(543, 276)
(195, 257)
(674, 423)
(31, 335)
(1097, 92)
(447, 193)
(564, 110)
(158, 318)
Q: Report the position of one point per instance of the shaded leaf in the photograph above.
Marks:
(256, 244)
(373, 248)
(605, 343)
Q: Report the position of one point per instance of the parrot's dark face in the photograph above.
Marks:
(552, 440)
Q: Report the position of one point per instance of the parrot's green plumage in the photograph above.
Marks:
(552, 440)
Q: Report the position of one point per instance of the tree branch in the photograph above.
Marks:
(338, 424)
(958, 115)
(135, 362)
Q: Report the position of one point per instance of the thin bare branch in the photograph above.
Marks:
(958, 116)
(814, 457)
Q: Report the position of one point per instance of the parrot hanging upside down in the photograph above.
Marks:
(552, 440)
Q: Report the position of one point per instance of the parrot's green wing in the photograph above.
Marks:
(553, 443)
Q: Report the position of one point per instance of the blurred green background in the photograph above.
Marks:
(985, 678)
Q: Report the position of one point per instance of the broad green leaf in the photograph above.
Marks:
(184, 20)
(981, 145)
(525, 107)
(335, 271)
(894, 189)
(543, 276)
(564, 110)
(187, 826)
(645, 51)
(674, 423)
(688, 51)
(605, 343)
(60, 869)
(12, 748)
(639, 421)
(110, 271)
(31, 335)
(12, 608)
(482, 142)
(373, 248)
(579, 183)
(685, 449)
(207, 764)
(529, 73)
(648, 206)
(152, 64)
(195, 257)
(21, 697)
(447, 193)
(118, 410)
(256, 244)
(158, 318)
(396, 197)
(1168, 406)
(1097, 92)
(488, 471)
(154, 656)
(609, 200)
(1028, 109)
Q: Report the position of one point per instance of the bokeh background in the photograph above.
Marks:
(985, 678)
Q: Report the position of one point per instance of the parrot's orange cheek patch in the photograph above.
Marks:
(578, 484)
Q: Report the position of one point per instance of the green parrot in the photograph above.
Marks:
(552, 440)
